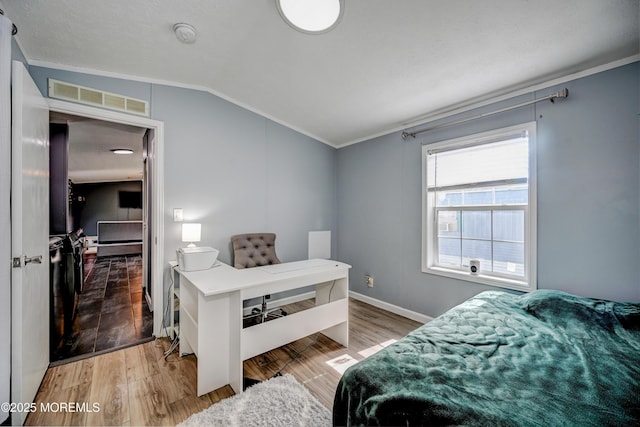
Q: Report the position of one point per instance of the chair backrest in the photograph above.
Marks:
(254, 249)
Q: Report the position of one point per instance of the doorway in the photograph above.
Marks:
(97, 220)
(118, 278)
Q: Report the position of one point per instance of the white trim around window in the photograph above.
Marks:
(522, 278)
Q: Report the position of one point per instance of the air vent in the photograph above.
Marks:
(89, 96)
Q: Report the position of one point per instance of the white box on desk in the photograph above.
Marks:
(196, 258)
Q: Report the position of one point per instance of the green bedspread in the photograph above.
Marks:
(542, 359)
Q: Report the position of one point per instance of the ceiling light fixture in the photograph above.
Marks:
(185, 33)
(122, 151)
(311, 16)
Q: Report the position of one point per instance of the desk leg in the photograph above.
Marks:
(219, 361)
(332, 291)
(235, 342)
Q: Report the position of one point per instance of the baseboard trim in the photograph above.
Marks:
(413, 315)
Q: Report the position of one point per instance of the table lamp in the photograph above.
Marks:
(191, 234)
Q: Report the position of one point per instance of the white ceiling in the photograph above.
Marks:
(387, 64)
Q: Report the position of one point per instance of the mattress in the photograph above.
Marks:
(539, 359)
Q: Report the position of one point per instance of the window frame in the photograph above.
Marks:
(429, 213)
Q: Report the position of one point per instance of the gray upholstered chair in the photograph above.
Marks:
(255, 250)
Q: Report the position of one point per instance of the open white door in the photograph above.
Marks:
(29, 239)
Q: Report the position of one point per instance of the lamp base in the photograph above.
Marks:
(191, 245)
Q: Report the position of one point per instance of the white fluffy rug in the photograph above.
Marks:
(279, 401)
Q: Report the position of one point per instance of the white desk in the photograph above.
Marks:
(211, 314)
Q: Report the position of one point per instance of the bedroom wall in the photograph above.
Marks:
(228, 168)
(588, 199)
(237, 172)
(368, 194)
(232, 170)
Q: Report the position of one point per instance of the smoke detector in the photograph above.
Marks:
(185, 33)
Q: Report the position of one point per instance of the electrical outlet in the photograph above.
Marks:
(368, 280)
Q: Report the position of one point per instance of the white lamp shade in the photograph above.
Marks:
(191, 232)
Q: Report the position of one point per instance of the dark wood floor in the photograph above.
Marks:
(137, 386)
(112, 311)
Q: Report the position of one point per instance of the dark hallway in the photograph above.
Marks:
(112, 311)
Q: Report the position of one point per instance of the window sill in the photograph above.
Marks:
(502, 282)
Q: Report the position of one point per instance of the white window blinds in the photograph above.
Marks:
(490, 164)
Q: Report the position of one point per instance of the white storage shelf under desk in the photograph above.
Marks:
(174, 300)
(211, 314)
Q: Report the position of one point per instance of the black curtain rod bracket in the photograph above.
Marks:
(14, 29)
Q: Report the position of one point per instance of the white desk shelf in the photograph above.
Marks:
(174, 301)
(211, 314)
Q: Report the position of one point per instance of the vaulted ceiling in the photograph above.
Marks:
(386, 65)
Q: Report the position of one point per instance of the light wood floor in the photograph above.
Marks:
(136, 386)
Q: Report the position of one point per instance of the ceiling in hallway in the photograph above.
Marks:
(90, 145)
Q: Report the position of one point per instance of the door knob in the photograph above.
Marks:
(34, 259)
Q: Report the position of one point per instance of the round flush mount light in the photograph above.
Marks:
(311, 16)
(122, 151)
(185, 33)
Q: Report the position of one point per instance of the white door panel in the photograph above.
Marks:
(29, 238)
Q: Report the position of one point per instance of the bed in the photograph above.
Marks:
(546, 358)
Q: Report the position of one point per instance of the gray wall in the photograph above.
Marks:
(102, 204)
(588, 199)
(235, 171)
(230, 169)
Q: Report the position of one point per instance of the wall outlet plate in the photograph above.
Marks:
(177, 215)
(368, 280)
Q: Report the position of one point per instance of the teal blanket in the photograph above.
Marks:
(542, 359)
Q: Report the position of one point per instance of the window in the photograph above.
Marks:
(479, 203)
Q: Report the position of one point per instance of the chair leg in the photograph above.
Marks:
(263, 314)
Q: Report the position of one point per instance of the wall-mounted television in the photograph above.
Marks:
(130, 199)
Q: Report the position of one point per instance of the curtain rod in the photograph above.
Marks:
(560, 94)
(14, 29)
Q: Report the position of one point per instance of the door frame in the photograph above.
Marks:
(157, 183)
